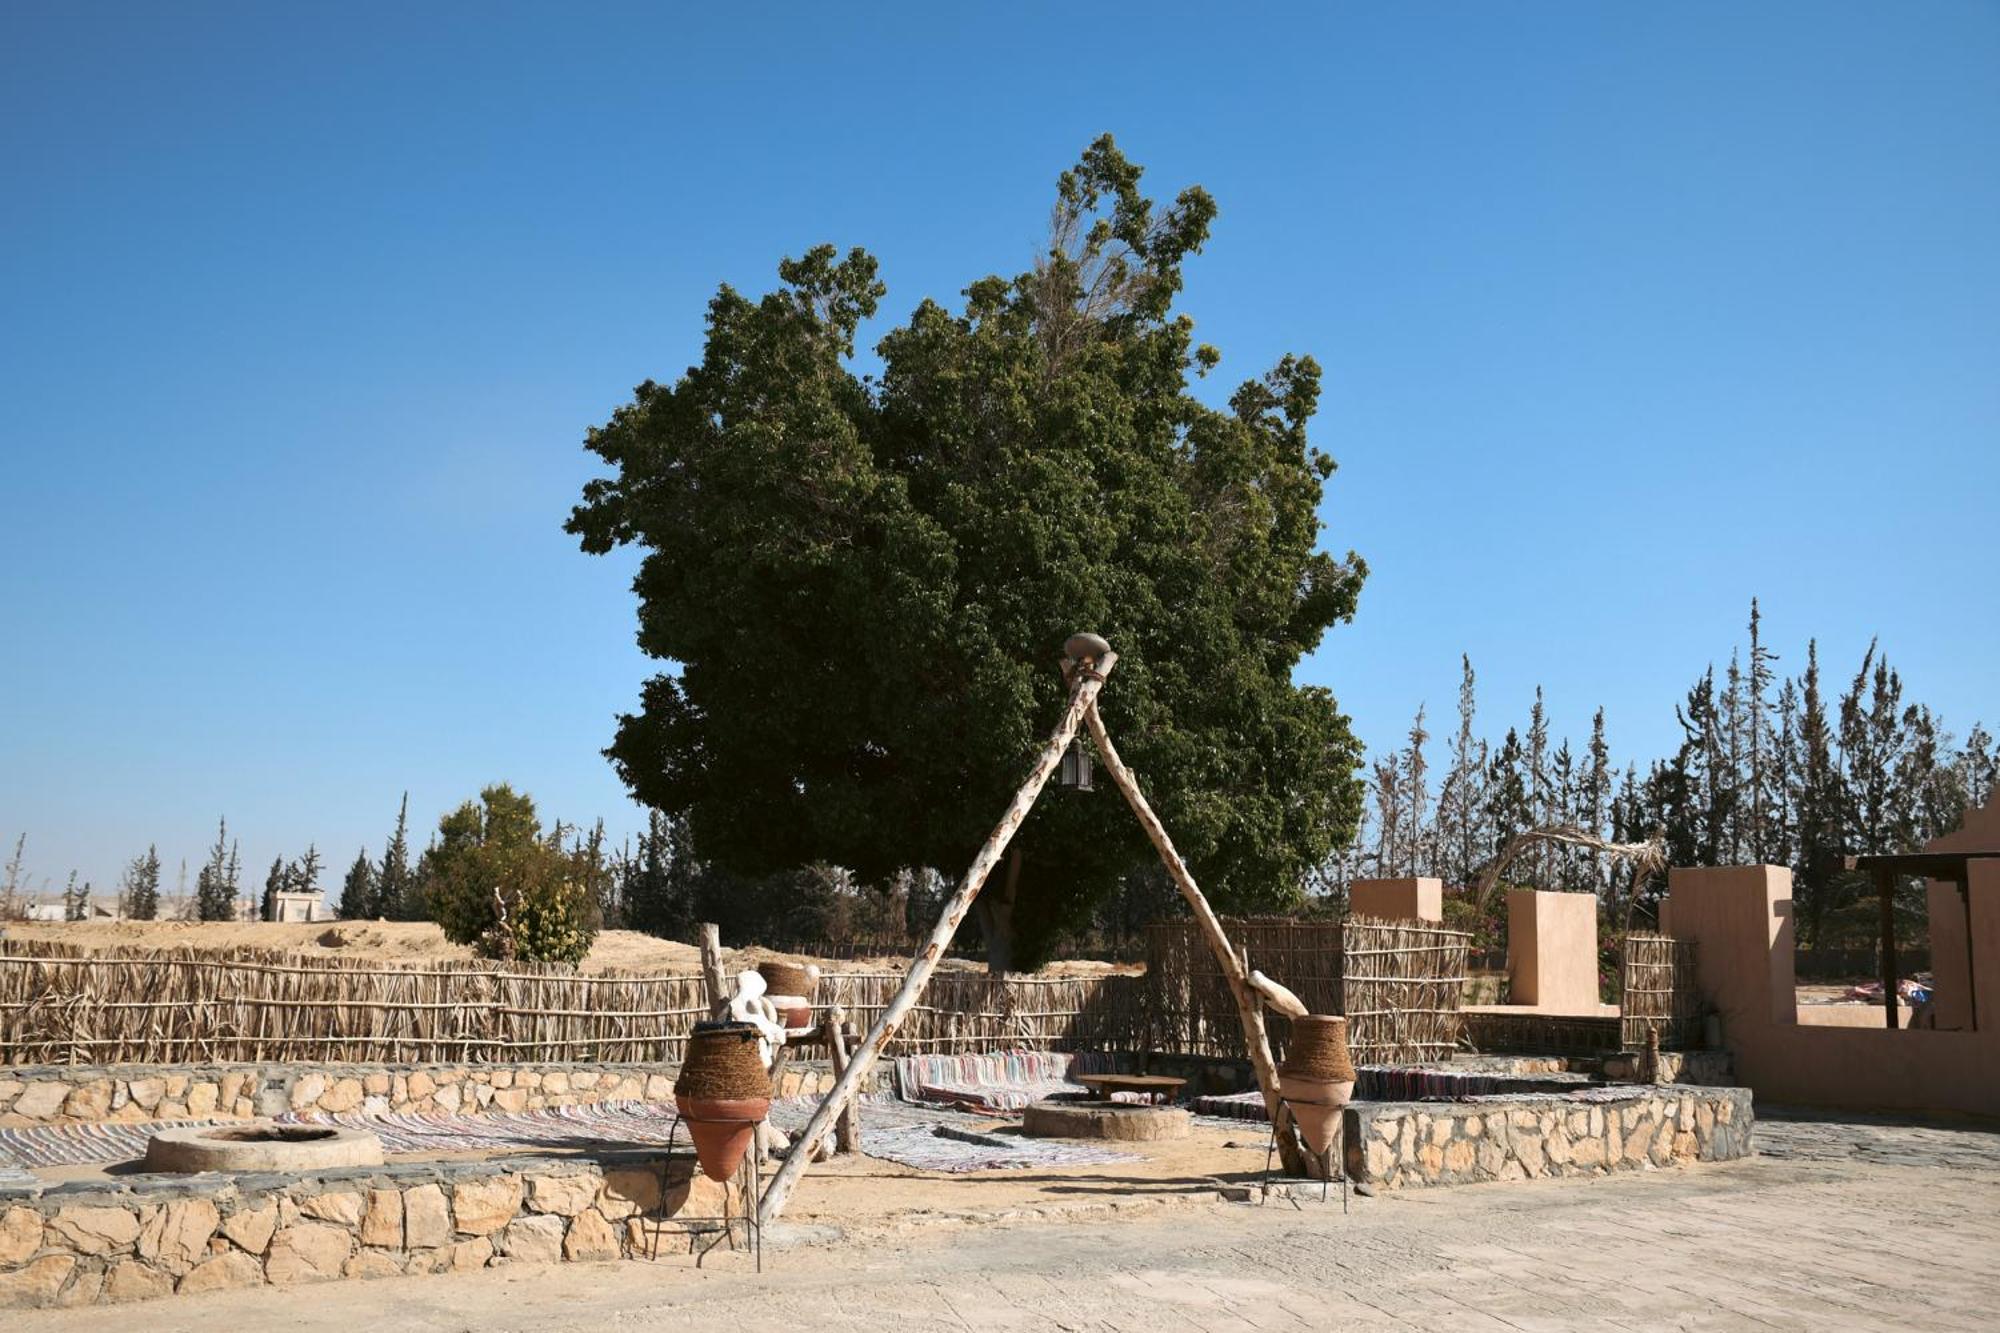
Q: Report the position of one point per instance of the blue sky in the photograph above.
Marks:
(1628, 313)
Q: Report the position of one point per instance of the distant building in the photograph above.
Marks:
(97, 907)
(299, 907)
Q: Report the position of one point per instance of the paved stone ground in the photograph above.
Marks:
(1800, 1135)
(1848, 1224)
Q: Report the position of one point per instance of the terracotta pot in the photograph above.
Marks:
(1316, 1105)
(794, 1012)
(722, 1131)
(790, 988)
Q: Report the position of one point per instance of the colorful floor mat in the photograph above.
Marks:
(890, 1131)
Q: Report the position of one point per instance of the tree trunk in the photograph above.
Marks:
(994, 910)
(1084, 685)
(1249, 1003)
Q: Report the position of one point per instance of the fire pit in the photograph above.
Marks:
(1089, 1118)
(261, 1145)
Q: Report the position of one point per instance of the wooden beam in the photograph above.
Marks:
(847, 1129)
(1085, 681)
(1249, 1003)
(711, 970)
(1278, 997)
(1885, 884)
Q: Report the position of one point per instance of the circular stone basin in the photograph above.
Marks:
(1124, 1121)
(261, 1146)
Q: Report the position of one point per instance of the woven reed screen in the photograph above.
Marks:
(1658, 993)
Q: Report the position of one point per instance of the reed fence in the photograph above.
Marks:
(59, 1006)
(1657, 993)
(1397, 982)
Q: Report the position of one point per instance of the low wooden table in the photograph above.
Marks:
(1156, 1087)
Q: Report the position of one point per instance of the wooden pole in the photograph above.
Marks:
(1249, 1002)
(1885, 884)
(711, 968)
(847, 1129)
(1085, 681)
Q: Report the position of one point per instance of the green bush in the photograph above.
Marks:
(494, 881)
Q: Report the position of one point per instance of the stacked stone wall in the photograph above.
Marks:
(1397, 1145)
(96, 1244)
(65, 1094)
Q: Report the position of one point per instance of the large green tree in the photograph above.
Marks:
(862, 581)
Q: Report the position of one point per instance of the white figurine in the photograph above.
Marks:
(748, 1005)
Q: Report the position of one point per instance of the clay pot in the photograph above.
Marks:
(722, 1130)
(789, 987)
(1317, 1077)
(1316, 1105)
(722, 1091)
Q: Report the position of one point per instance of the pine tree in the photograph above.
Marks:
(75, 901)
(1566, 865)
(1535, 777)
(10, 889)
(1507, 807)
(1593, 809)
(304, 875)
(1389, 815)
(357, 891)
(398, 894)
(139, 897)
(274, 884)
(1459, 837)
(1418, 856)
(1822, 802)
(215, 884)
(1781, 801)
(1766, 795)
(1979, 765)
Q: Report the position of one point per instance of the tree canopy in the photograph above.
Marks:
(861, 582)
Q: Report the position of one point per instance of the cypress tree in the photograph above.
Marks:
(358, 892)
(397, 895)
(214, 887)
(274, 884)
(304, 875)
(141, 896)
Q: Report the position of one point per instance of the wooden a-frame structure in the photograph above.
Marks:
(1087, 662)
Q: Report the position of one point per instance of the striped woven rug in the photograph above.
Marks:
(892, 1132)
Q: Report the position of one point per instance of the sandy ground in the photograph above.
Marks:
(1901, 1236)
(420, 941)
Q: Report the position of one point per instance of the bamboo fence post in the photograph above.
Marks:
(1085, 681)
(1249, 1003)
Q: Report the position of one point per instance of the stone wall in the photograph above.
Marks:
(80, 1094)
(1394, 1145)
(150, 1236)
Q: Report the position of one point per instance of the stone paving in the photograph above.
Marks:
(1801, 1135)
(1856, 1223)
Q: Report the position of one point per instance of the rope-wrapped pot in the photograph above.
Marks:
(722, 1091)
(1317, 1077)
(790, 986)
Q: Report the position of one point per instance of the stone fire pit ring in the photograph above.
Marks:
(1126, 1122)
(261, 1145)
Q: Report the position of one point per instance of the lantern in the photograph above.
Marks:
(1076, 767)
